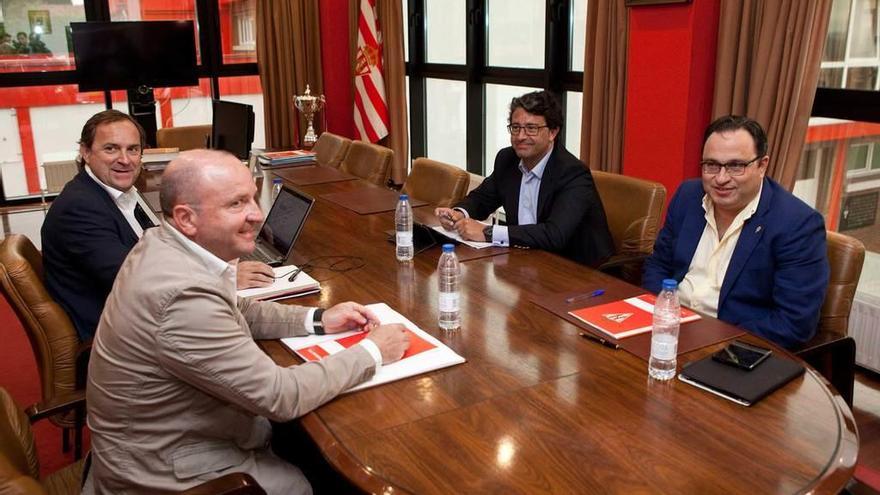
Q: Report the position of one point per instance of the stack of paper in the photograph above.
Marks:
(425, 353)
(283, 287)
(269, 159)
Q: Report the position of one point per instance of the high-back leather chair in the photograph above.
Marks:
(331, 149)
(187, 137)
(632, 207)
(20, 466)
(831, 351)
(368, 161)
(51, 333)
(436, 182)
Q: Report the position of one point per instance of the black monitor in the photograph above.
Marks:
(232, 128)
(127, 55)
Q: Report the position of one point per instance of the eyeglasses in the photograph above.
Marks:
(531, 129)
(733, 168)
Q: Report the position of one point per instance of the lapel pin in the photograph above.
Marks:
(758, 229)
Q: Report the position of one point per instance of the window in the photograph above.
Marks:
(839, 173)
(42, 111)
(466, 59)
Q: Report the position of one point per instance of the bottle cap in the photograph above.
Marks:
(404, 197)
(669, 283)
(448, 248)
(277, 180)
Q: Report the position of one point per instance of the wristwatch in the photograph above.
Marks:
(487, 233)
(317, 324)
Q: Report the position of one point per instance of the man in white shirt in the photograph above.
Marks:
(742, 247)
(178, 392)
(97, 219)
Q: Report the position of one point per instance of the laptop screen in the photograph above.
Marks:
(286, 219)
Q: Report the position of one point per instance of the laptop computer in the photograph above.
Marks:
(282, 227)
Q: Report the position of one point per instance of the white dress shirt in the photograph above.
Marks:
(125, 201)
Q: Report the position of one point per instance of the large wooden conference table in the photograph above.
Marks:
(536, 408)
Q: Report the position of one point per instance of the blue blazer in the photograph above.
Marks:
(777, 277)
(571, 220)
(85, 240)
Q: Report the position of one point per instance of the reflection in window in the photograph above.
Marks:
(35, 37)
(516, 33)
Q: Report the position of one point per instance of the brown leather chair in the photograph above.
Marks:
(632, 207)
(61, 358)
(20, 466)
(436, 182)
(187, 137)
(331, 149)
(831, 351)
(368, 161)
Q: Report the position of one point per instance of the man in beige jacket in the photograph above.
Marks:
(178, 391)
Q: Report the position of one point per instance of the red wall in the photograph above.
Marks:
(670, 79)
(336, 68)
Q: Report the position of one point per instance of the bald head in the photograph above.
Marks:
(191, 174)
(208, 196)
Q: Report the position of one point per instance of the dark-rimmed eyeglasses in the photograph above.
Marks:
(531, 129)
(734, 168)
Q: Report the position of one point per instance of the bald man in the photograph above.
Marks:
(178, 391)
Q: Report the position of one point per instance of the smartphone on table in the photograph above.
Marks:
(742, 355)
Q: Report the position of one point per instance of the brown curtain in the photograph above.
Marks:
(390, 15)
(767, 68)
(604, 85)
(289, 57)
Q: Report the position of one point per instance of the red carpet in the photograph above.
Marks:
(18, 375)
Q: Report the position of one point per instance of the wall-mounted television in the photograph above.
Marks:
(126, 55)
(232, 127)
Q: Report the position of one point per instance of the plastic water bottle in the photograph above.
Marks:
(276, 187)
(664, 334)
(448, 272)
(403, 221)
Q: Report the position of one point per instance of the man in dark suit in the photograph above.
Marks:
(548, 195)
(743, 248)
(96, 220)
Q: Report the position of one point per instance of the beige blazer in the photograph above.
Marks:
(179, 393)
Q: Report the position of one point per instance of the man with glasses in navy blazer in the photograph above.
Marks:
(742, 247)
(548, 195)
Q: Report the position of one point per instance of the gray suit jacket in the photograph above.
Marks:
(178, 391)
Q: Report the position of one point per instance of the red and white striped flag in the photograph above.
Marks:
(370, 109)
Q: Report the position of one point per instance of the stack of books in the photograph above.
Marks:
(269, 159)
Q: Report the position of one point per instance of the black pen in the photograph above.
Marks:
(294, 275)
(594, 338)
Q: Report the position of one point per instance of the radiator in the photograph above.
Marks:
(864, 328)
